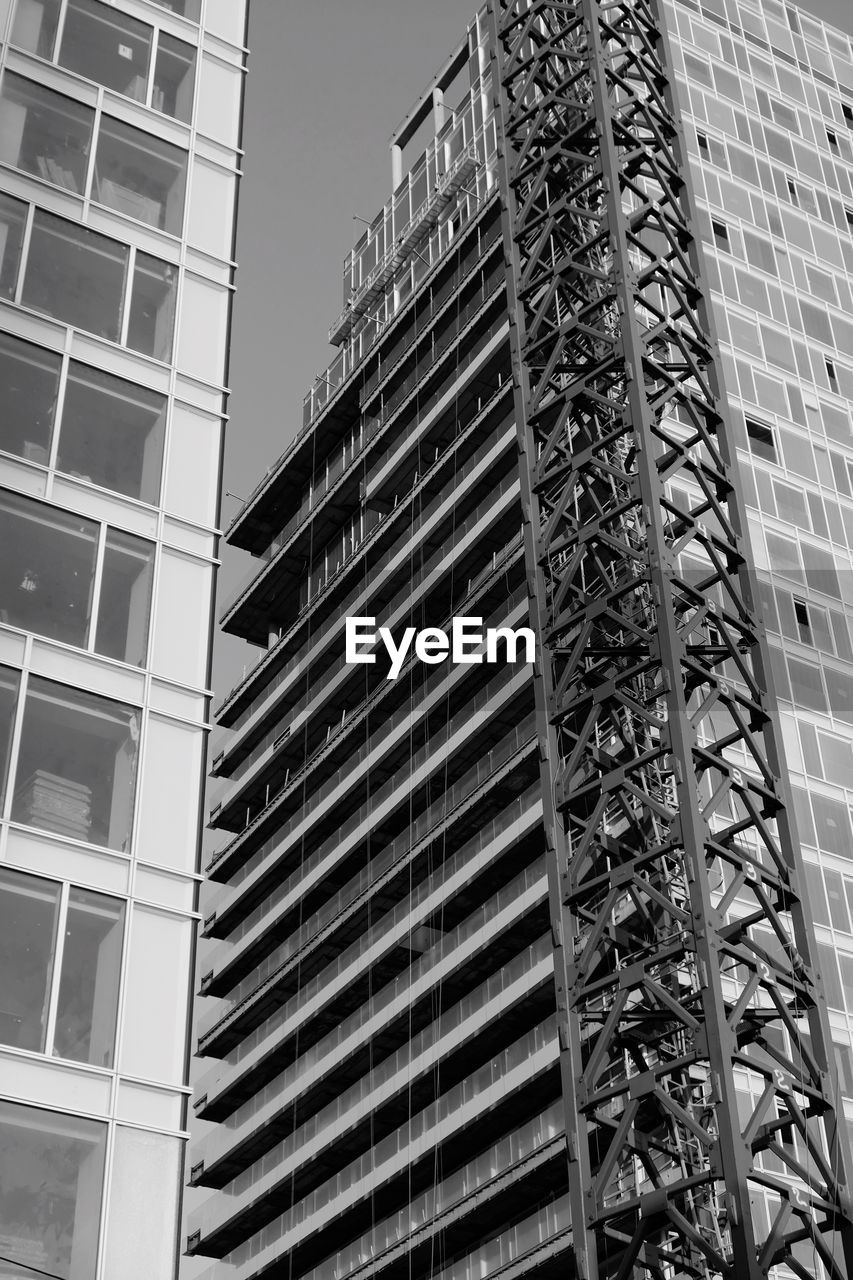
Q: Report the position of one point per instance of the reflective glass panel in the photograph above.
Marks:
(76, 275)
(186, 8)
(13, 215)
(76, 771)
(174, 76)
(88, 986)
(140, 175)
(44, 132)
(51, 1180)
(47, 570)
(125, 599)
(106, 45)
(29, 383)
(35, 26)
(29, 910)
(9, 681)
(112, 433)
(152, 307)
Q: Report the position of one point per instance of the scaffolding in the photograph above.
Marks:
(684, 956)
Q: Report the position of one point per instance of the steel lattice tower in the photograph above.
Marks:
(670, 848)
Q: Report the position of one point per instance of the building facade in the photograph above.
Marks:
(378, 948)
(119, 160)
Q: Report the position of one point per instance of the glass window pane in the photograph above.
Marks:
(13, 215)
(186, 8)
(88, 986)
(47, 571)
(44, 132)
(35, 26)
(144, 1189)
(152, 307)
(174, 76)
(76, 770)
(106, 45)
(29, 382)
(9, 682)
(28, 919)
(112, 433)
(76, 275)
(140, 175)
(124, 606)
(51, 1180)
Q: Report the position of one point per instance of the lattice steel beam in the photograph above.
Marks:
(683, 949)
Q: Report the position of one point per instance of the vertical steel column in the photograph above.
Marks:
(695, 1048)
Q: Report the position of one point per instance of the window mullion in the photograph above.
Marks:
(56, 971)
(128, 295)
(25, 253)
(56, 425)
(96, 588)
(15, 744)
(60, 31)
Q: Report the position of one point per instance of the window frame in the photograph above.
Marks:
(172, 270)
(56, 959)
(156, 31)
(97, 594)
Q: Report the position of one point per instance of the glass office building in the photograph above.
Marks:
(379, 1029)
(119, 159)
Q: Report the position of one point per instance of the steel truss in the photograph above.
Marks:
(683, 949)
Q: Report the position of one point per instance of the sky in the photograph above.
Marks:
(328, 82)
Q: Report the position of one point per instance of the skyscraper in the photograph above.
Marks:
(119, 135)
(493, 942)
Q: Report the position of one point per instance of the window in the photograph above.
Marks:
(831, 374)
(80, 278)
(51, 1182)
(76, 275)
(702, 140)
(111, 430)
(111, 48)
(806, 685)
(45, 133)
(48, 569)
(36, 25)
(29, 386)
(61, 959)
(721, 235)
(832, 139)
(76, 769)
(140, 175)
(186, 8)
(847, 112)
(792, 190)
(801, 613)
(13, 216)
(112, 433)
(174, 74)
(761, 440)
(152, 307)
(49, 572)
(108, 46)
(832, 823)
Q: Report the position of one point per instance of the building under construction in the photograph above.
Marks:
(521, 969)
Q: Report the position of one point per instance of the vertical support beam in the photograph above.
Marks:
(683, 951)
(396, 165)
(438, 109)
